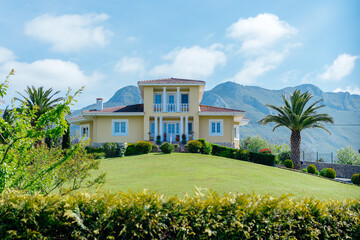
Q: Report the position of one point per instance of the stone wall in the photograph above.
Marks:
(342, 170)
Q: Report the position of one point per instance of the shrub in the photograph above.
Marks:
(242, 154)
(317, 173)
(206, 148)
(348, 155)
(155, 216)
(304, 170)
(111, 149)
(288, 163)
(261, 158)
(284, 155)
(265, 150)
(155, 148)
(143, 147)
(355, 179)
(90, 149)
(167, 147)
(254, 144)
(227, 152)
(194, 146)
(131, 150)
(100, 155)
(330, 173)
(311, 169)
(323, 172)
(216, 149)
(202, 140)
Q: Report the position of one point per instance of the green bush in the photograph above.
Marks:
(131, 150)
(167, 147)
(227, 152)
(242, 154)
(330, 173)
(288, 163)
(262, 158)
(216, 149)
(304, 170)
(90, 149)
(194, 146)
(143, 147)
(100, 155)
(311, 169)
(284, 155)
(355, 179)
(155, 216)
(111, 149)
(206, 148)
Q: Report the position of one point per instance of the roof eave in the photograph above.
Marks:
(113, 114)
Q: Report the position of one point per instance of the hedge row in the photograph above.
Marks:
(153, 216)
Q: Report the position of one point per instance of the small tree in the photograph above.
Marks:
(348, 156)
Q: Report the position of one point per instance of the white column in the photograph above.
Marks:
(164, 99)
(156, 129)
(178, 100)
(187, 127)
(161, 129)
(181, 127)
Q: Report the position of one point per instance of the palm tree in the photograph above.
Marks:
(40, 99)
(296, 117)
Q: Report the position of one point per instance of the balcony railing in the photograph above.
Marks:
(171, 107)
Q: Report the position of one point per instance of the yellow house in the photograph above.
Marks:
(171, 112)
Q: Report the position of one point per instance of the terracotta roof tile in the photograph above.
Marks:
(205, 108)
(119, 109)
(171, 81)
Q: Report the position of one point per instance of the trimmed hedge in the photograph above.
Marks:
(153, 216)
(288, 163)
(194, 146)
(355, 179)
(242, 154)
(131, 150)
(143, 147)
(167, 147)
(311, 169)
(262, 158)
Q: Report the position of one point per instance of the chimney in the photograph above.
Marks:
(99, 104)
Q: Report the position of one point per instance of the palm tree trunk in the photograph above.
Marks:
(295, 141)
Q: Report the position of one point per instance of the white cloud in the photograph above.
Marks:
(253, 69)
(68, 33)
(131, 39)
(193, 62)
(260, 32)
(340, 68)
(130, 65)
(6, 55)
(351, 90)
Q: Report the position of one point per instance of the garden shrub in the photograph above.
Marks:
(304, 170)
(216, 149)
(323, 172)
(261, 158)
(131, 150)
(284, 155)
(311, 169)
(288, 163)
(90, 149)
(111, 149)
(98, 155)
(265, 150)
(242, 154)
(143, 147)
(355, 179)
(206, 148)
(330, 173)
(227, 152)
(155, 216)
(194, 146)
(167, 147)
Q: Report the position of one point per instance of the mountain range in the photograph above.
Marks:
(343, 107)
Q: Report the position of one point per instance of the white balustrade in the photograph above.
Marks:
(158, 107)
(171, 107)
(184, 107)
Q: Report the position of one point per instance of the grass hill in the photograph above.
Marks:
(180, 173)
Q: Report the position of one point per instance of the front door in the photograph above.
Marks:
(171, 134)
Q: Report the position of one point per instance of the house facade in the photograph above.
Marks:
(171, 111)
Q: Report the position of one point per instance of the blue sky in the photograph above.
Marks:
(106, 45)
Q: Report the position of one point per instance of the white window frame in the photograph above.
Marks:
(161, 100)
(113, 133)
(237, 133)
(81, 130)
(221, 133)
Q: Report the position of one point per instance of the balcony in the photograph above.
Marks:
(171, 107)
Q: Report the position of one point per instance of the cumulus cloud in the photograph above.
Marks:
(130, 65)
(6, 55)
(193, 62)
(351, 90)
(69, 33)
(340, 68)
(260, 32)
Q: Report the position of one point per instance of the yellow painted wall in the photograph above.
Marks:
(228, 135)
(91, 133)
(104, 132)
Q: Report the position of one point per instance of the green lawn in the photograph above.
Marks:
(179, 173)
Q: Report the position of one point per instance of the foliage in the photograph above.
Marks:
(100, 155)
(304, 170)
(167, 147)
(242, 154)
(355, 179)
(111, 149)
(194, 146)
(296, 117)
(155, 148)
(262, 158)
(330, 173)
(227, 152)
(348, 156)
(311, 169)
(66, 140)
(265, 150)
(323, 172)
(288, 163)
(131, 150)
(206, 148)
(153, 216)
(283, 155)
(254, 144)
(143, 147)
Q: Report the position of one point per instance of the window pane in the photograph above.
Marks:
(184, 98)
(123, 127)
(116, 127)
(190, 128)
(152, 131)
(218, 127)
(171, 99)
(213, 127)
(234, 132)
(177, 128)
(158, 99)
